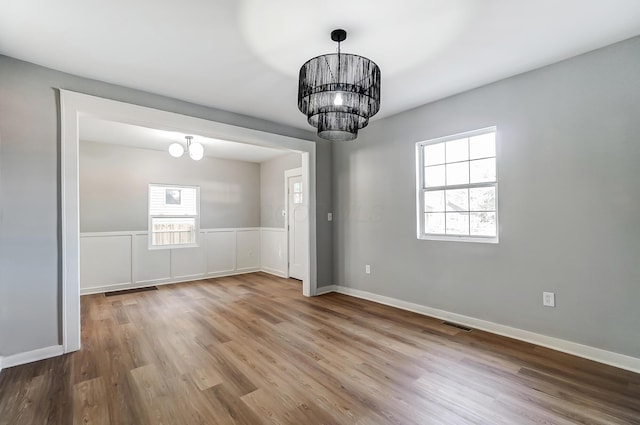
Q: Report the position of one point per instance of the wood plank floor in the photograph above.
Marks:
(252, 350)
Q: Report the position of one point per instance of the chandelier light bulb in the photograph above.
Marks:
(337, 101)
(176, 150)
(196, 151)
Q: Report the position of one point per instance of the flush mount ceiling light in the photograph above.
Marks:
(339, 92)
(196, 150)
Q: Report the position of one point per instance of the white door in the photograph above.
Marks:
(296, 218)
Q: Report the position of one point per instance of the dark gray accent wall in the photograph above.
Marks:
(30, 192)
(569, 204)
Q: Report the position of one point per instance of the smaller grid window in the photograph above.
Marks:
(297, 193)
(457, 187)
(174, 216)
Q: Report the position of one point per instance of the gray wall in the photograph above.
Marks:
(30, 192)
(272, 188)
(272, 203)
(324, 228)
(569, 186)
(114, 183)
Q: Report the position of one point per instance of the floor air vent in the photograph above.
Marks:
(130, 291)
(455, 325)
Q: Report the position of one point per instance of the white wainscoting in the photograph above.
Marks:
(247, 250)
(121, 260)
(106, 260)
(221, 250)
(273, 251)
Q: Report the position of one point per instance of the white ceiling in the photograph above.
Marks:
(100, 131)
(244, 55)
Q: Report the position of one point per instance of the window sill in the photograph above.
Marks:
(450, 238)
(191, 245)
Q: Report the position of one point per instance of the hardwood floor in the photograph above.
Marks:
(252, 350)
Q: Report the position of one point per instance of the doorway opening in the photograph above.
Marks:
(75, 106)
(296, 213)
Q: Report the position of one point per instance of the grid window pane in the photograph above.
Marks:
(434, 201)
(483, 224)
(434, 223)
(434, 176)
(433, 154)
(458, 173)
(457, 150)
(483, 170)
(457, 200)
(457, 223)
(459, 187)
(169, 200)
(173, 215)
(482, 199)
(483, 146)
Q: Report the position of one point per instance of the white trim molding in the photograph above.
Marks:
(422, 189)
(75, 105)
(138, 285)
(294, 172)
(596, 354)
(31, 356)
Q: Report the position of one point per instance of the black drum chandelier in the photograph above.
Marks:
(339, 92)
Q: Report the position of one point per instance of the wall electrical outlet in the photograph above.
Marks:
(330, 216)
(549, 299)
(367, 269)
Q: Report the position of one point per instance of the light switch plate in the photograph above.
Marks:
(549, 299)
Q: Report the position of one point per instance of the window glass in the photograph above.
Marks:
(174, 219)
(458, 187)
(457, 150)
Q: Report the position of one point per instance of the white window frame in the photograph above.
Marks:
(421, 190)
(151, 217)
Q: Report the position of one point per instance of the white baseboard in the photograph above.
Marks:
(274, 272)
(0, 363)
(31, 356)
(160, 282)
(326, 289)
(596, 354)
(117, 287)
